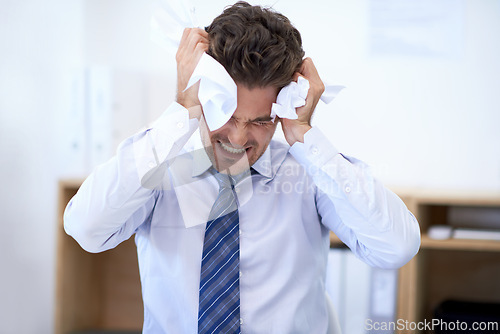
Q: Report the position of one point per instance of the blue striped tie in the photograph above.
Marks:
(219, 304)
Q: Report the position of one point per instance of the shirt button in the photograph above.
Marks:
(237, 190)
(347, 189)
(241, 274)
(241, 321)
(180, 125)
(151, 164)
(314, 150)
(241, 232)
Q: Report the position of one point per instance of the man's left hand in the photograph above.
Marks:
(294, 129)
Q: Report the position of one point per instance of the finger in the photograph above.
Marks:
(184, 39)
(194, 31)
(182, 44)
(304, 65)
(198, 52)
(190, 37)
(194, 38)
(201, 46)
(190, 52)
(310, 71)
(307, 68)
(203, 33)
(185, 34)
(296, 76)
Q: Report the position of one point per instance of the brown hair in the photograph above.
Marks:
(257, 46)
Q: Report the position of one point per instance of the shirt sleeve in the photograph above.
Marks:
(120, 194)
(370, 219)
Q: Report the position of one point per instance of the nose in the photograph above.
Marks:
(237, 135)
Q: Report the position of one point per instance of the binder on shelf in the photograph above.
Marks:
(476, 234)
(360, 293)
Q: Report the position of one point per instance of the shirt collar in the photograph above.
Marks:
(263, 164)
(201, 162)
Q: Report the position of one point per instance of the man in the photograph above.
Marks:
(164, 187)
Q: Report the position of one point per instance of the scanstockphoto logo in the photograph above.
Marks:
(457, 326)
(293, 178)
(286, 187)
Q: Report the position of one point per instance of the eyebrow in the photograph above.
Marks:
(258, 119)
(261, 119)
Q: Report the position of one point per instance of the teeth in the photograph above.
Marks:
(232, 149)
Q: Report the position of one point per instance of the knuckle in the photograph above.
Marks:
(201, 47)
(186, 32)
(321, 87)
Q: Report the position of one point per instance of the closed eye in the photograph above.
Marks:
(262, 123)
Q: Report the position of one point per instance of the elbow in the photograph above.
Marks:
(402, 252)
(80, 228)
(409, 243)
(396, 248)
(401, 249)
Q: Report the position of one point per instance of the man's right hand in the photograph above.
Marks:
(193, 43)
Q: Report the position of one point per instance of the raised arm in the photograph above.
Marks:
(370, 219)
(119, 195)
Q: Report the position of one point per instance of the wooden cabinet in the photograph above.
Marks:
(95, 292)
(454, 269)
(102, 291)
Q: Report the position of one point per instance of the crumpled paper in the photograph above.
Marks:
(168, 21)
(218, 91)
(294, 95)
(218, 94)
(331, 92)
(289, 98)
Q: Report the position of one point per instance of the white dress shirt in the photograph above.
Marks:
(158, 186)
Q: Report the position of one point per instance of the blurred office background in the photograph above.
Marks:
(76, 77)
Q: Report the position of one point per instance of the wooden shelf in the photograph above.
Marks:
(458, 198)
(102, 291)
(459, 269)
(335, 242)
(95, 293)
(448, 244)
(460, 244)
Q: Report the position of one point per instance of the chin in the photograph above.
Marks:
(229, 161)
(234, 167)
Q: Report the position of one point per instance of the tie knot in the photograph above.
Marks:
(226, 201)
(224, 180)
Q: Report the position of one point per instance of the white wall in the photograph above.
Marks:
(40, 42)
(419, 121)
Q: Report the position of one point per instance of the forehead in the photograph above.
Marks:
(255, 103)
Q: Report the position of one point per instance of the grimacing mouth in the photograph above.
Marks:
(231, 149)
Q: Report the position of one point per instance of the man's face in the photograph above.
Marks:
(244, 138)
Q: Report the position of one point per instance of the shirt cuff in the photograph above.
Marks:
(164, 139)
(173, 121)
(315, 150)
(172, 125)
